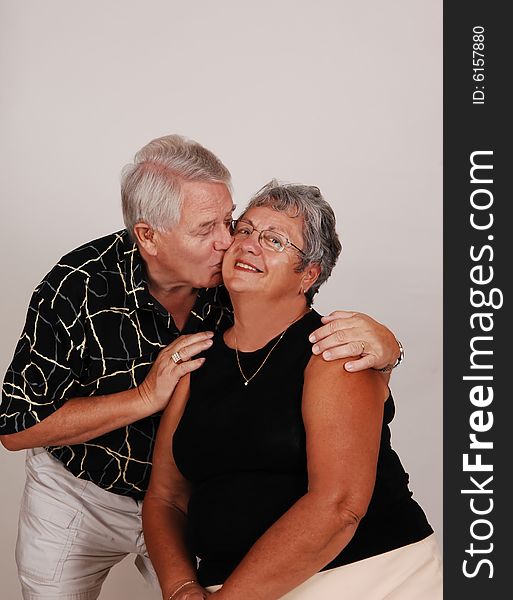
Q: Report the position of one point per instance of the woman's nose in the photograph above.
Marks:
(251, 243)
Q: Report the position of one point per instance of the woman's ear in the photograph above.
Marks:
(145, 238)
(310, 275)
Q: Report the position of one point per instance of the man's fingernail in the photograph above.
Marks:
(312, 338)
(349, 366)
(315, 349)
(327, 355)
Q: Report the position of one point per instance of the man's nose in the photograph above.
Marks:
(224, 239)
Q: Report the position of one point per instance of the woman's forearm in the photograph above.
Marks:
(305, 539)
(164, 534)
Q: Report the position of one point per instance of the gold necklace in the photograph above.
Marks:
(248, 379)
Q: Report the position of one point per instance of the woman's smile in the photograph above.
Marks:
(246, 266)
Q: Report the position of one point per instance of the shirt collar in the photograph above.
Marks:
(134, 274)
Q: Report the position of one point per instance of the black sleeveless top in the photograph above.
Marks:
(243, 449)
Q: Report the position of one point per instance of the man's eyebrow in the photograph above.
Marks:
(206, 223)
(212, 221)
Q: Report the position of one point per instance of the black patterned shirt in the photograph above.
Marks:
(93, 328)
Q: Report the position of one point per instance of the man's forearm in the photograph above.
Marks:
(80, 420)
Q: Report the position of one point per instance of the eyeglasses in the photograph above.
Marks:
(269, 240)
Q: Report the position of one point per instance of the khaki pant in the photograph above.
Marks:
(71, 532)
(413, 572)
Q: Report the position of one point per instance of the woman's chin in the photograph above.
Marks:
(236, 287)
(240, 283)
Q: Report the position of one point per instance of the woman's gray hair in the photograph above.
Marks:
(321, 244)
(151, 189)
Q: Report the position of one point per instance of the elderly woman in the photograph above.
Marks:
(273, 467)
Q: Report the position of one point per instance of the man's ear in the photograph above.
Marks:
(310, 275)
(145, 238)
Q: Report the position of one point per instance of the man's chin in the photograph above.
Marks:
(214, 280)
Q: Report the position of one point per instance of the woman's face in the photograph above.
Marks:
(249, 267)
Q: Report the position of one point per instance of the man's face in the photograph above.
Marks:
(192, 251)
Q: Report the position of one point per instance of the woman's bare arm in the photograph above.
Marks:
(164, 511)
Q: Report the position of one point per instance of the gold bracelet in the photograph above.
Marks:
(181, 587)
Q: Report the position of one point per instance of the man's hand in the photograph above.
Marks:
(159, 384)
(347, 333)
(79, 420)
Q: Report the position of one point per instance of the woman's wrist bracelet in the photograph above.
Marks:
(180, 587)
(388, 368)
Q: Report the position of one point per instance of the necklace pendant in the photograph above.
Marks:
(246, 381)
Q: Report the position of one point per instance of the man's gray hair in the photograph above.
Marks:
(151, 189)
(321, 244)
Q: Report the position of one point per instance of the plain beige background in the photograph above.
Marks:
(343, 94)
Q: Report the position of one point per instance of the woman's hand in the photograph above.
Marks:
(189, 591)
(345, 334)
(159, 384)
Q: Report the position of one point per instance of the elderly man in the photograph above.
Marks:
(109, 332)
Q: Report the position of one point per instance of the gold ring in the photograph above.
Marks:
(177, 359)
(363, 347)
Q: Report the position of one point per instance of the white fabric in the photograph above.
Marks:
(413, 572)
(71, 532)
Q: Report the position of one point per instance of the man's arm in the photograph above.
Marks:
(81, 419)
(345, 334)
